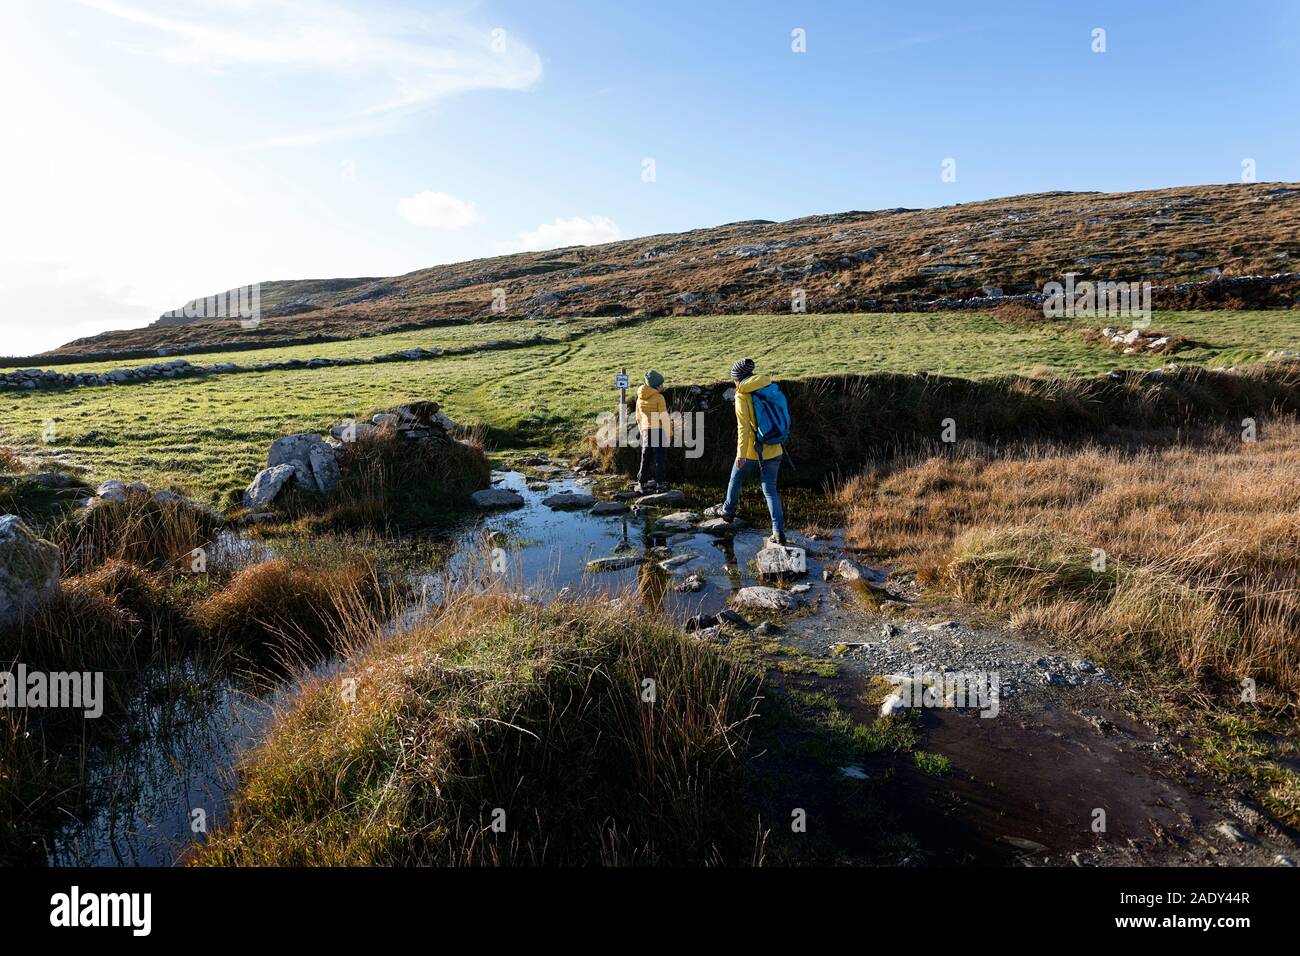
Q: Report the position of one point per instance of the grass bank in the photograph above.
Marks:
(207, 437)
(506, 733)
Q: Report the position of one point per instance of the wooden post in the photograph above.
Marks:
(622, 403)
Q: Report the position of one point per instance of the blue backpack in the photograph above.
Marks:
(771, 416)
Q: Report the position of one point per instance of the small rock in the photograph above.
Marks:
(893, 704)
(1233, 832)
(944, 626)
(767, 629)
(689, 584)
(854, 772)
(890, 630)
(609, 508)
(728, 616)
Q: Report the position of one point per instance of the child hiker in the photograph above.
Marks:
(656, 432)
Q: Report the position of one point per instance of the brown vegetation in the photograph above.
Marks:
(502, 732)
(848, 262)
(1201, 545)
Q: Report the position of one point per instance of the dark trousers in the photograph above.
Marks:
(653, 458)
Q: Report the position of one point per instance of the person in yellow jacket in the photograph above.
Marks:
(656, 428)
(747, 462)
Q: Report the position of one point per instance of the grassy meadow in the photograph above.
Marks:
(209, 436)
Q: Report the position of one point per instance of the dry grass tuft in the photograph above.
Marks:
(1202, 544)
(497, 706)
(292, 613)
(157, 535)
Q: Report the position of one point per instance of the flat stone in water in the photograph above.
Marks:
(609, 508)
(569, 499)
(615, 563)
(721, 526)
(775, 561)
(660, 498)
(759, 598)
(496, 498)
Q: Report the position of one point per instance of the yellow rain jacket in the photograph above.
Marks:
(746, 428)
(652, 413)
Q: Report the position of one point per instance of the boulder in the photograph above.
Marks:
(267, 485)
(776, 561)
(759, 598)
(351, 431)
(496, 498)
(29, 567)
(315, 467)
(115, 490)
(569, 499)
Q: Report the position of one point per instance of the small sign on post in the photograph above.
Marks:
(620, 383)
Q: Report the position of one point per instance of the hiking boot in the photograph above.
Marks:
(777, 539)
(717, 511)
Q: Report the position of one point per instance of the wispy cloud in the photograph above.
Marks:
(400, 61)
(577, 231)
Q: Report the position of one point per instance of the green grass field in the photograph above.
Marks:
(208, 436)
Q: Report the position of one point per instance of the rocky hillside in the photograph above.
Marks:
(847, 262)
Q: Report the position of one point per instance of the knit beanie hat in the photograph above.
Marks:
(742, 369)
(654, 379)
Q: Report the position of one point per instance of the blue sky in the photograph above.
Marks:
(157, 151)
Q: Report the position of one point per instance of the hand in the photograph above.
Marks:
(740, 463)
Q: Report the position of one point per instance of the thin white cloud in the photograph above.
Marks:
(578, 231)
(396, 62)
(437, 211)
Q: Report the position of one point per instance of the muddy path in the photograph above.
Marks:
(1063, 774)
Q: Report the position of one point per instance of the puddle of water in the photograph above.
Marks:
(143, 796)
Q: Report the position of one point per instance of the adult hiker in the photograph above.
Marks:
(656, 428)
(762, 427)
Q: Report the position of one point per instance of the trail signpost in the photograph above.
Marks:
(620, 383)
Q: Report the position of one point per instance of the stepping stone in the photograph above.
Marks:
(659, 499)
(569, 499)
(677, 560)
(721, 526)
(759, 598)
(610, 508)
(496, 498)
(689, 584)
(615, 563)
(681, 517)
(775, 561)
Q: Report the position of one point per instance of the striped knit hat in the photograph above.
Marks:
(742, 369)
